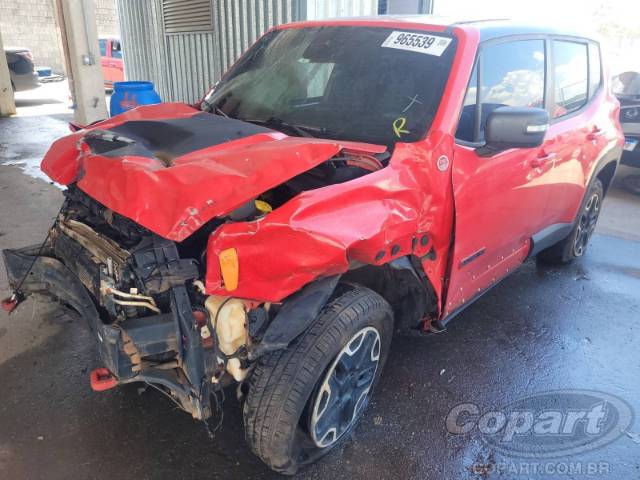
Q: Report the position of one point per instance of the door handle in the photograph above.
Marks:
(542, 159)
(595, 133)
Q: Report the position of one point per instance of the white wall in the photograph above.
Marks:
(404, 7)
(319, 9)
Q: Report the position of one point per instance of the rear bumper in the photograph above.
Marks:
(123, 350)
(632, 158)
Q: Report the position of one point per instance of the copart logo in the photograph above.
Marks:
(548, 424)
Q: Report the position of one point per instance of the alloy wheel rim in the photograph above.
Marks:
(345, 387)
(586, 225)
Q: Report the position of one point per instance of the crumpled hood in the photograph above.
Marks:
(171, 168)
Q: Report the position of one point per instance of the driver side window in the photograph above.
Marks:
(512, 74)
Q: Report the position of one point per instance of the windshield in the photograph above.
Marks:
(373, 85)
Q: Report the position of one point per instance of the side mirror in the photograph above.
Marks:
(514, 127)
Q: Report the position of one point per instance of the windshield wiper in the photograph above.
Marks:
(214, 107)
(300, 129)
(219, 112)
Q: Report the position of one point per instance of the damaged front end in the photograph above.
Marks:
(129, 248)
(194, 244)
(144, 303)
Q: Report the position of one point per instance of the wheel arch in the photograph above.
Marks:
(606, 173)
(403, 284)
(605, 168)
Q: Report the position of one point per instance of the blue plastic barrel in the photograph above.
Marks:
(44, 71)
(128, 95)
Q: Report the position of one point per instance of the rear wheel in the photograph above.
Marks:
(304, 400)
(575, 245)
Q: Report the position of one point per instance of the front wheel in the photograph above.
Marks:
(575, 245)
(304, 400)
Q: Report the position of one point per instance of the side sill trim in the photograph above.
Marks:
(549, 236)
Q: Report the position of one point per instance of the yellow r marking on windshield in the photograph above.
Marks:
(398, 126)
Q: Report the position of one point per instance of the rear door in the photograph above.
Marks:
(579, 127)
(500, 200)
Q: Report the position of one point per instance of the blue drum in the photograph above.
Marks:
(128, 95)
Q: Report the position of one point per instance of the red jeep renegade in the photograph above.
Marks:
(343, 180)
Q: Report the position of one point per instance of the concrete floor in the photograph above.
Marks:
(541, 329)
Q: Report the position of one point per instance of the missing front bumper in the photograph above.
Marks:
(125, 347)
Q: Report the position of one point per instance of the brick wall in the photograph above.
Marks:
(106, 17)
(32, 24)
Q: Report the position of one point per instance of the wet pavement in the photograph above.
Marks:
(541, 329)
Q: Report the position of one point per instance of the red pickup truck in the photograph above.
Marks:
(111, 60)
(344, 180)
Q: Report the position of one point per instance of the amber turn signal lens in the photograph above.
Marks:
(228, 259)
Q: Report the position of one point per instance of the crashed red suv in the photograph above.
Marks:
(345, 179)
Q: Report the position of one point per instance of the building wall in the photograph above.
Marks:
(32, 24)
(141, 26)
(319, 9)
(407, 7)
(106, 17)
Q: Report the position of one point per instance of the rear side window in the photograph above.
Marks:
(512, 74)
(116, 51)
(595, 70)
(570, 77)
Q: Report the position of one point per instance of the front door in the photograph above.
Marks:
(499, 200)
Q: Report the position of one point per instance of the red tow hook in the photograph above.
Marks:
(9, 304)
(102, 379)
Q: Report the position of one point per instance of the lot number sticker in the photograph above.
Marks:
(417, 42)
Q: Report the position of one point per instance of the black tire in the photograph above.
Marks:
(575, 245)
(285, 386)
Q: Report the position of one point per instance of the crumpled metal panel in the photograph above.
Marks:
(403, 209)
(210, 182)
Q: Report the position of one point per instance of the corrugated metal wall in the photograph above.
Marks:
(193, 65)
(184, 65)
(241, 22)
(144, 51)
